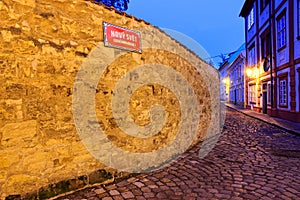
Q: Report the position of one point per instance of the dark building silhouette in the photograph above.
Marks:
(121, 5)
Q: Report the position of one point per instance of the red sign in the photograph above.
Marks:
(122, 38)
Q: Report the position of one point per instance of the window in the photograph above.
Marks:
(265, 46)
(252, 93)
(281, 31)
(251, 56)
(235, 75)
(250, 19)
(263, 4)
(298, 19)
(231, 77)
(283, 92)
(239, 72)
(240, 95)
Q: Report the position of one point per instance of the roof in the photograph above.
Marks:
(246, 8)
(232, 56)
(236, 53)
(225, 64)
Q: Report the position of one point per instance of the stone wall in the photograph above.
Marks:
(43, 44)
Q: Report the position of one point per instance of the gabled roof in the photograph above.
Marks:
(224, 65)
(232, 57)
(235, 54)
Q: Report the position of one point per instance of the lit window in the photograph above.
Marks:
(281, 31)
(250, 19)
(252, 93)
(283, 92)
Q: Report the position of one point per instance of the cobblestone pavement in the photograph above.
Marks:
(252, 160)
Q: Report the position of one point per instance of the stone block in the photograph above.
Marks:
(18, 135)
(7, 159)
(23, 183)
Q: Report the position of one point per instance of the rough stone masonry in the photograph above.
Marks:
(43, 44)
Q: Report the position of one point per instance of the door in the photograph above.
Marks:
(265, 103)
(235, 99)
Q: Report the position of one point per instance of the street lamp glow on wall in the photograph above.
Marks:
(252, 72)
(226, 81)
(256, 72)
(249, 72)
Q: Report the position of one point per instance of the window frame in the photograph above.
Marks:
(263, 5)
(265, 45)
(252, 94)
(298, 18)
(283, 92)
(250, 19)
(281, 32)
(251, 55)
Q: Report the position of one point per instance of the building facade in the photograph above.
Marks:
(232, 77)
(272, 34)
(236, 73)
(224, 82)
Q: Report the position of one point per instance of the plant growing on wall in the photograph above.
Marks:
(121, 5)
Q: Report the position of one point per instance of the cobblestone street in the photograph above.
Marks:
(252, 160)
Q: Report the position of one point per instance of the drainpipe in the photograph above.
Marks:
(271, 56)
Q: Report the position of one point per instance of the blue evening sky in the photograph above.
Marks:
(214, 24)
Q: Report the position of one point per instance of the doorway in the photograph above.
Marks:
(235, 97)
(265, 98)
(265, 103)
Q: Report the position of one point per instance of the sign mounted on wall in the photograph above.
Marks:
(121, 38)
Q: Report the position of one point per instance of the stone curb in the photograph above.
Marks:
(294, 132)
